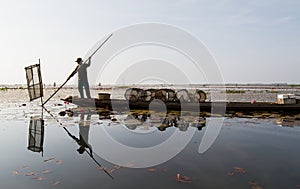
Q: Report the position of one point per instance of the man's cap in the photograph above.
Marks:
(78, 60)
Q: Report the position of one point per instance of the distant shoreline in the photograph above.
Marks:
(228, 85)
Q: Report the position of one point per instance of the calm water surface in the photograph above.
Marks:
(248, 153)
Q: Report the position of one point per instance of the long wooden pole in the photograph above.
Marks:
(90, 154)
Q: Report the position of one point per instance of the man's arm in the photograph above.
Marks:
(74, 72)
(89, 62)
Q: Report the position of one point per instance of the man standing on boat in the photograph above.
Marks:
(82, 77)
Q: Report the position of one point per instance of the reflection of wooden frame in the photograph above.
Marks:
(34, 81)
(36, 135)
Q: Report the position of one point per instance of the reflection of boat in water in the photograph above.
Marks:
(139, 119)
(287, 122)
(135, 120)
(123, 105)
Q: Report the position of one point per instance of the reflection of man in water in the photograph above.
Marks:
(82, 77)
(84, 128)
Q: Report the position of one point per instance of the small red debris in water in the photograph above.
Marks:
(56, 183)
(31, 173)
(50, 159)
(184, 179)
(39, 178)
(239, 170)
(46, 171)
(101, 168)
(151, 169)
(178, 177)
(59, 162)
(16, 172)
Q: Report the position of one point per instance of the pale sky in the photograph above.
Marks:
(252, 41)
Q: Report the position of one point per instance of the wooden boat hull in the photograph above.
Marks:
(216, 107)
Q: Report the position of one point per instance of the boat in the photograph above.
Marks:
(216, 107)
